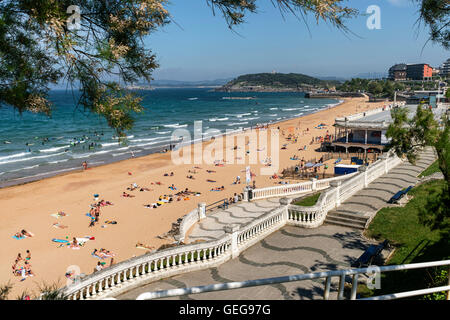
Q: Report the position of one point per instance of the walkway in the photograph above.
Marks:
(362, 207)
(291, 250)
(212, 227)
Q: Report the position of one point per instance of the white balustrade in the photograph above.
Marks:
(156, 265)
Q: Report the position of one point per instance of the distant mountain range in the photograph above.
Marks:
(182, 84)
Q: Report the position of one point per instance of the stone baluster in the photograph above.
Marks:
(88, 294)
(100, 285)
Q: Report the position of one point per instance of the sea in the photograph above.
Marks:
(35, 146)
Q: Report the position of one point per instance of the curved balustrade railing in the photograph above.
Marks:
(149, 267)
(187, 222)
(314, 216)
(257, 229)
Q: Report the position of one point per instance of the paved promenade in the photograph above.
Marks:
(291, 250)
(212, 227)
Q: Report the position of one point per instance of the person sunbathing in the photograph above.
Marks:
(15, 269)
(26, 233)
(209, 180)
(74, 243)
(210, 171)
(190, 177)
(28, 271)
(59, 226)
(144, 246)
(133, 187)
(145, 189)
(127, 195)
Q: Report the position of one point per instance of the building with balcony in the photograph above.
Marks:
(445, 69)
(397, 72)
(420, 71)
(366, 132)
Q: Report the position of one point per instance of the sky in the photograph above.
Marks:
(198, 45)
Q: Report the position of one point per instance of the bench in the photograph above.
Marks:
(367, 257)
(396, 197)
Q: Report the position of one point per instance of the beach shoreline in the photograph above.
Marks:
(65, 171)
(29, 206)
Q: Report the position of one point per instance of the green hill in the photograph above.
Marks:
(276, 82)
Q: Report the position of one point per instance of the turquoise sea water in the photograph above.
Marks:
(33, 146)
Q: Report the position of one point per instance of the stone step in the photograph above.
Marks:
(344, 224)
(338, 214)
(346, 221)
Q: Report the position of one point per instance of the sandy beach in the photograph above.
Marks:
(30, 206)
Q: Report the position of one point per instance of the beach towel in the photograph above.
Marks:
(57, 215)
(17, 238)
(60, 240)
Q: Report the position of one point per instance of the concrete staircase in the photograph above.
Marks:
(346, 220)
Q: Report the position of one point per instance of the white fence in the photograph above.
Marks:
(297, 188)
(314, 216)
(150, 267)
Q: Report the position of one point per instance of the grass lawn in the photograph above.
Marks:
(413, 241)
(308, 201)
(433, 168)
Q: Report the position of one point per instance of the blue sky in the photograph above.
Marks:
(199, 46)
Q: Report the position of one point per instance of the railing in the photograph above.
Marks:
(187, 222)
(297, 188)
(327, 276)
(216, 204)
(314, 216)
(369, 112)
(150, 267)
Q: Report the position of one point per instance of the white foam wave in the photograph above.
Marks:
(32, 158)
(175, 125)
(236, 124)
(17, 155)
(54, 149)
